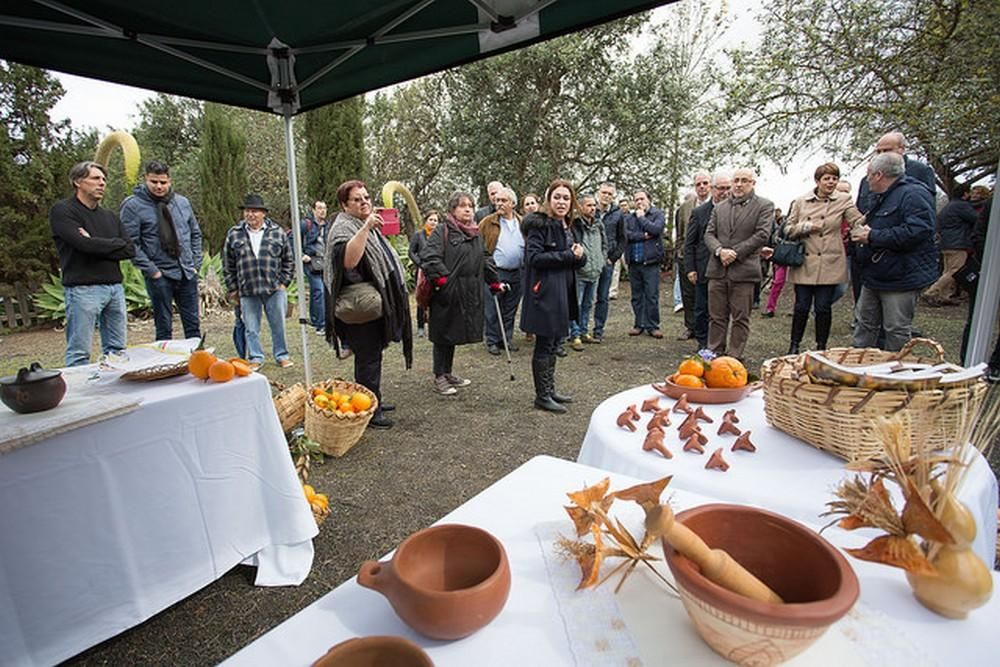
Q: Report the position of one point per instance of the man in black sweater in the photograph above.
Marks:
(90, 241)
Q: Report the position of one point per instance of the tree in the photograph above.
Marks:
(169, 128)
(838, 73)
(334, 147)
(222, 170)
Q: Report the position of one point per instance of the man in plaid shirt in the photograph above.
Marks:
(258, 266)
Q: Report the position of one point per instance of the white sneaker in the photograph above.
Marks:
(679, 307)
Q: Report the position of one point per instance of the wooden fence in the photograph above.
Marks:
(18, 308)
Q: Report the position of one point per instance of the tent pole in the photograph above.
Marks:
(984, 315)
(293, 194)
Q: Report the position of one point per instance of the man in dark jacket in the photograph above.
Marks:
(696, 254)
(614, 233)
(896, 252)
(312, 231)
(956, 224)
(644, 233)
(492, 188)
(895, 142)
(700, 196)
(90, 241)
(167, 242)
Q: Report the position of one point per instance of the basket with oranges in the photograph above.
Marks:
(337, 413)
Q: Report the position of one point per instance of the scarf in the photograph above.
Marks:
(165, 224)
(470, 230)
(428, 229)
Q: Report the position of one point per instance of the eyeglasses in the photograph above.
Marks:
(360, 199)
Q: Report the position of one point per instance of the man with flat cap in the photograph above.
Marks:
(258, 267)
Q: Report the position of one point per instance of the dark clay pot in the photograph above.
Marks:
(377, 651)
(445, 581)
(33, 389)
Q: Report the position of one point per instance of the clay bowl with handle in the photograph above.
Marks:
(375, 651)
(33, 389)
(445, 582)
(704, 394)
(807, 572)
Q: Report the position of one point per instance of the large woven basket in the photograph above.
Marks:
(290, 404)
(841, 420)
(336, 433)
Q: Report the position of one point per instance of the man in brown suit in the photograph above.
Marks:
(738, 229)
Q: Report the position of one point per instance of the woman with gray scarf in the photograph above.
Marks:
(358, 253)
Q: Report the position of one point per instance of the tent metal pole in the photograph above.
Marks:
(984, 315)
(293, 194)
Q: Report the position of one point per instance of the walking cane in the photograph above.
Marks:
(503, 336)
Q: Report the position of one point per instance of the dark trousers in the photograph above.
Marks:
(994, 361)
(317, 307)
(421, 317)
(239, 333)
(545, 347)
(601, 303)
(367, 341)
(508, 307)
(444, 358)
(645, 282)
(687, 295)
(700, 313)
(821, 295)
(164, 292)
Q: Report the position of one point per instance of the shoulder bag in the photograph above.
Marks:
(358, 303)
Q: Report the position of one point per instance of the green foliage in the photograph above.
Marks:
(169, 129)
(334, 148)
(50, 302)
(222, 169)
(137, 299)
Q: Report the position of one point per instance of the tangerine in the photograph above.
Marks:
(321, 401)
(688, 380)
(200, 362)
(221, 371)
(320, 500)
(726, 372)
(317, 391)
(692, 366)
(241, 366)
(308, 490)
(360, 401)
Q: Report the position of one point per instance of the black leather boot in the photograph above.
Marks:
(556, 396)
(823, 321)
(799, 321)
(542, 374)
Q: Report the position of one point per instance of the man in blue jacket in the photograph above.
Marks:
(167, 242)
(312, 232)
(644, 233)
(896, 252)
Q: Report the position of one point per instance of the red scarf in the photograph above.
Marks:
(470, 230)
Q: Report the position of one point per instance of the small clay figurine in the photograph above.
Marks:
(689, 421)
(625, 420)
(633, 412)
(682, 404)
(716, 462)
(693, 444)
(685, 430)
(660, 420)
(729, 427)
(730, 416)
(743, 442)
(651, 404)
(700, 414)
(654, 442)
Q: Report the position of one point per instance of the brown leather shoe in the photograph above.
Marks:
(635, 332)
(656, 333)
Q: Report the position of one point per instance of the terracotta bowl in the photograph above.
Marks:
(445, 581)
(377, 651)
(704, 394)
(811, 576)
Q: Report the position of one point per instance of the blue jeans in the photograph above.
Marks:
(275, 306)
(645, 282)
(601, 305)
(585, 290)
(882, 309)
(317, 303)
(163, 293)
(88, 306)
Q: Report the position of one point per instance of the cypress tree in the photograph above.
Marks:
(222, 169)
(334, 148)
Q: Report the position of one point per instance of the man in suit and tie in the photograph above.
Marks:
(696, 254)
(737, 230)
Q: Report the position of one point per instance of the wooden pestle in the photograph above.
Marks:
(715, 564)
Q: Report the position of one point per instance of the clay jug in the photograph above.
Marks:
(963, 582)
(374, 652)
(445, 581)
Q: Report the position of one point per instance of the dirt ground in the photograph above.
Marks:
(442, 451)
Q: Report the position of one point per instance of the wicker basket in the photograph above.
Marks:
(335, 432)
(841, 420)
(290, 403)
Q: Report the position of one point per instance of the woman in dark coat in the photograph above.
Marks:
(457, 266)
(551, 258)
(418, 246)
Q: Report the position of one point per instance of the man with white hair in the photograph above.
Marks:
(896, 252)
(895, 142)
(492, 188)
(504, 244)
(738, 228)
(696, 253)
(702, 194)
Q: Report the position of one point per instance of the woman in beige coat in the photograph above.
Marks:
(818, 219)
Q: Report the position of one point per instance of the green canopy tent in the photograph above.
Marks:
(285, 57)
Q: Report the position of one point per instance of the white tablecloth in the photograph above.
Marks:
(530, 629)
(784, 475)
(104, 526)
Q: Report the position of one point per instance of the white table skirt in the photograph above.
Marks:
(784, 475)
(104, 526)
(530, 629)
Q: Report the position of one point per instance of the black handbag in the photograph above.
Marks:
(967, 277)
(789, 253)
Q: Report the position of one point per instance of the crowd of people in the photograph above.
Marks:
(556, 258)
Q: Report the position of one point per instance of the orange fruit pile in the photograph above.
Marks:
(206, 366)
(690, 373)
(317, 501)
(342, 403)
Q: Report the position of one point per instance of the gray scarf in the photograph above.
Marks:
(379, 255)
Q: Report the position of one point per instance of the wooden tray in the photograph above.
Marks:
(704, 394)
(156, 372)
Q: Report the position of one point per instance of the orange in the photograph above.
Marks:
(688, 380)
(692, 366)
(360, 401)
(308, 490)
(241, 366)
(346, 407)
(221, 371)
(320, 500)
(317, 391)
(199, 363)
(725, 372)
(335, 396)
(321, 401)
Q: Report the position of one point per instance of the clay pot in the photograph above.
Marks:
(445, 581)
(33, 389)
(811, 576)
(375, 652)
